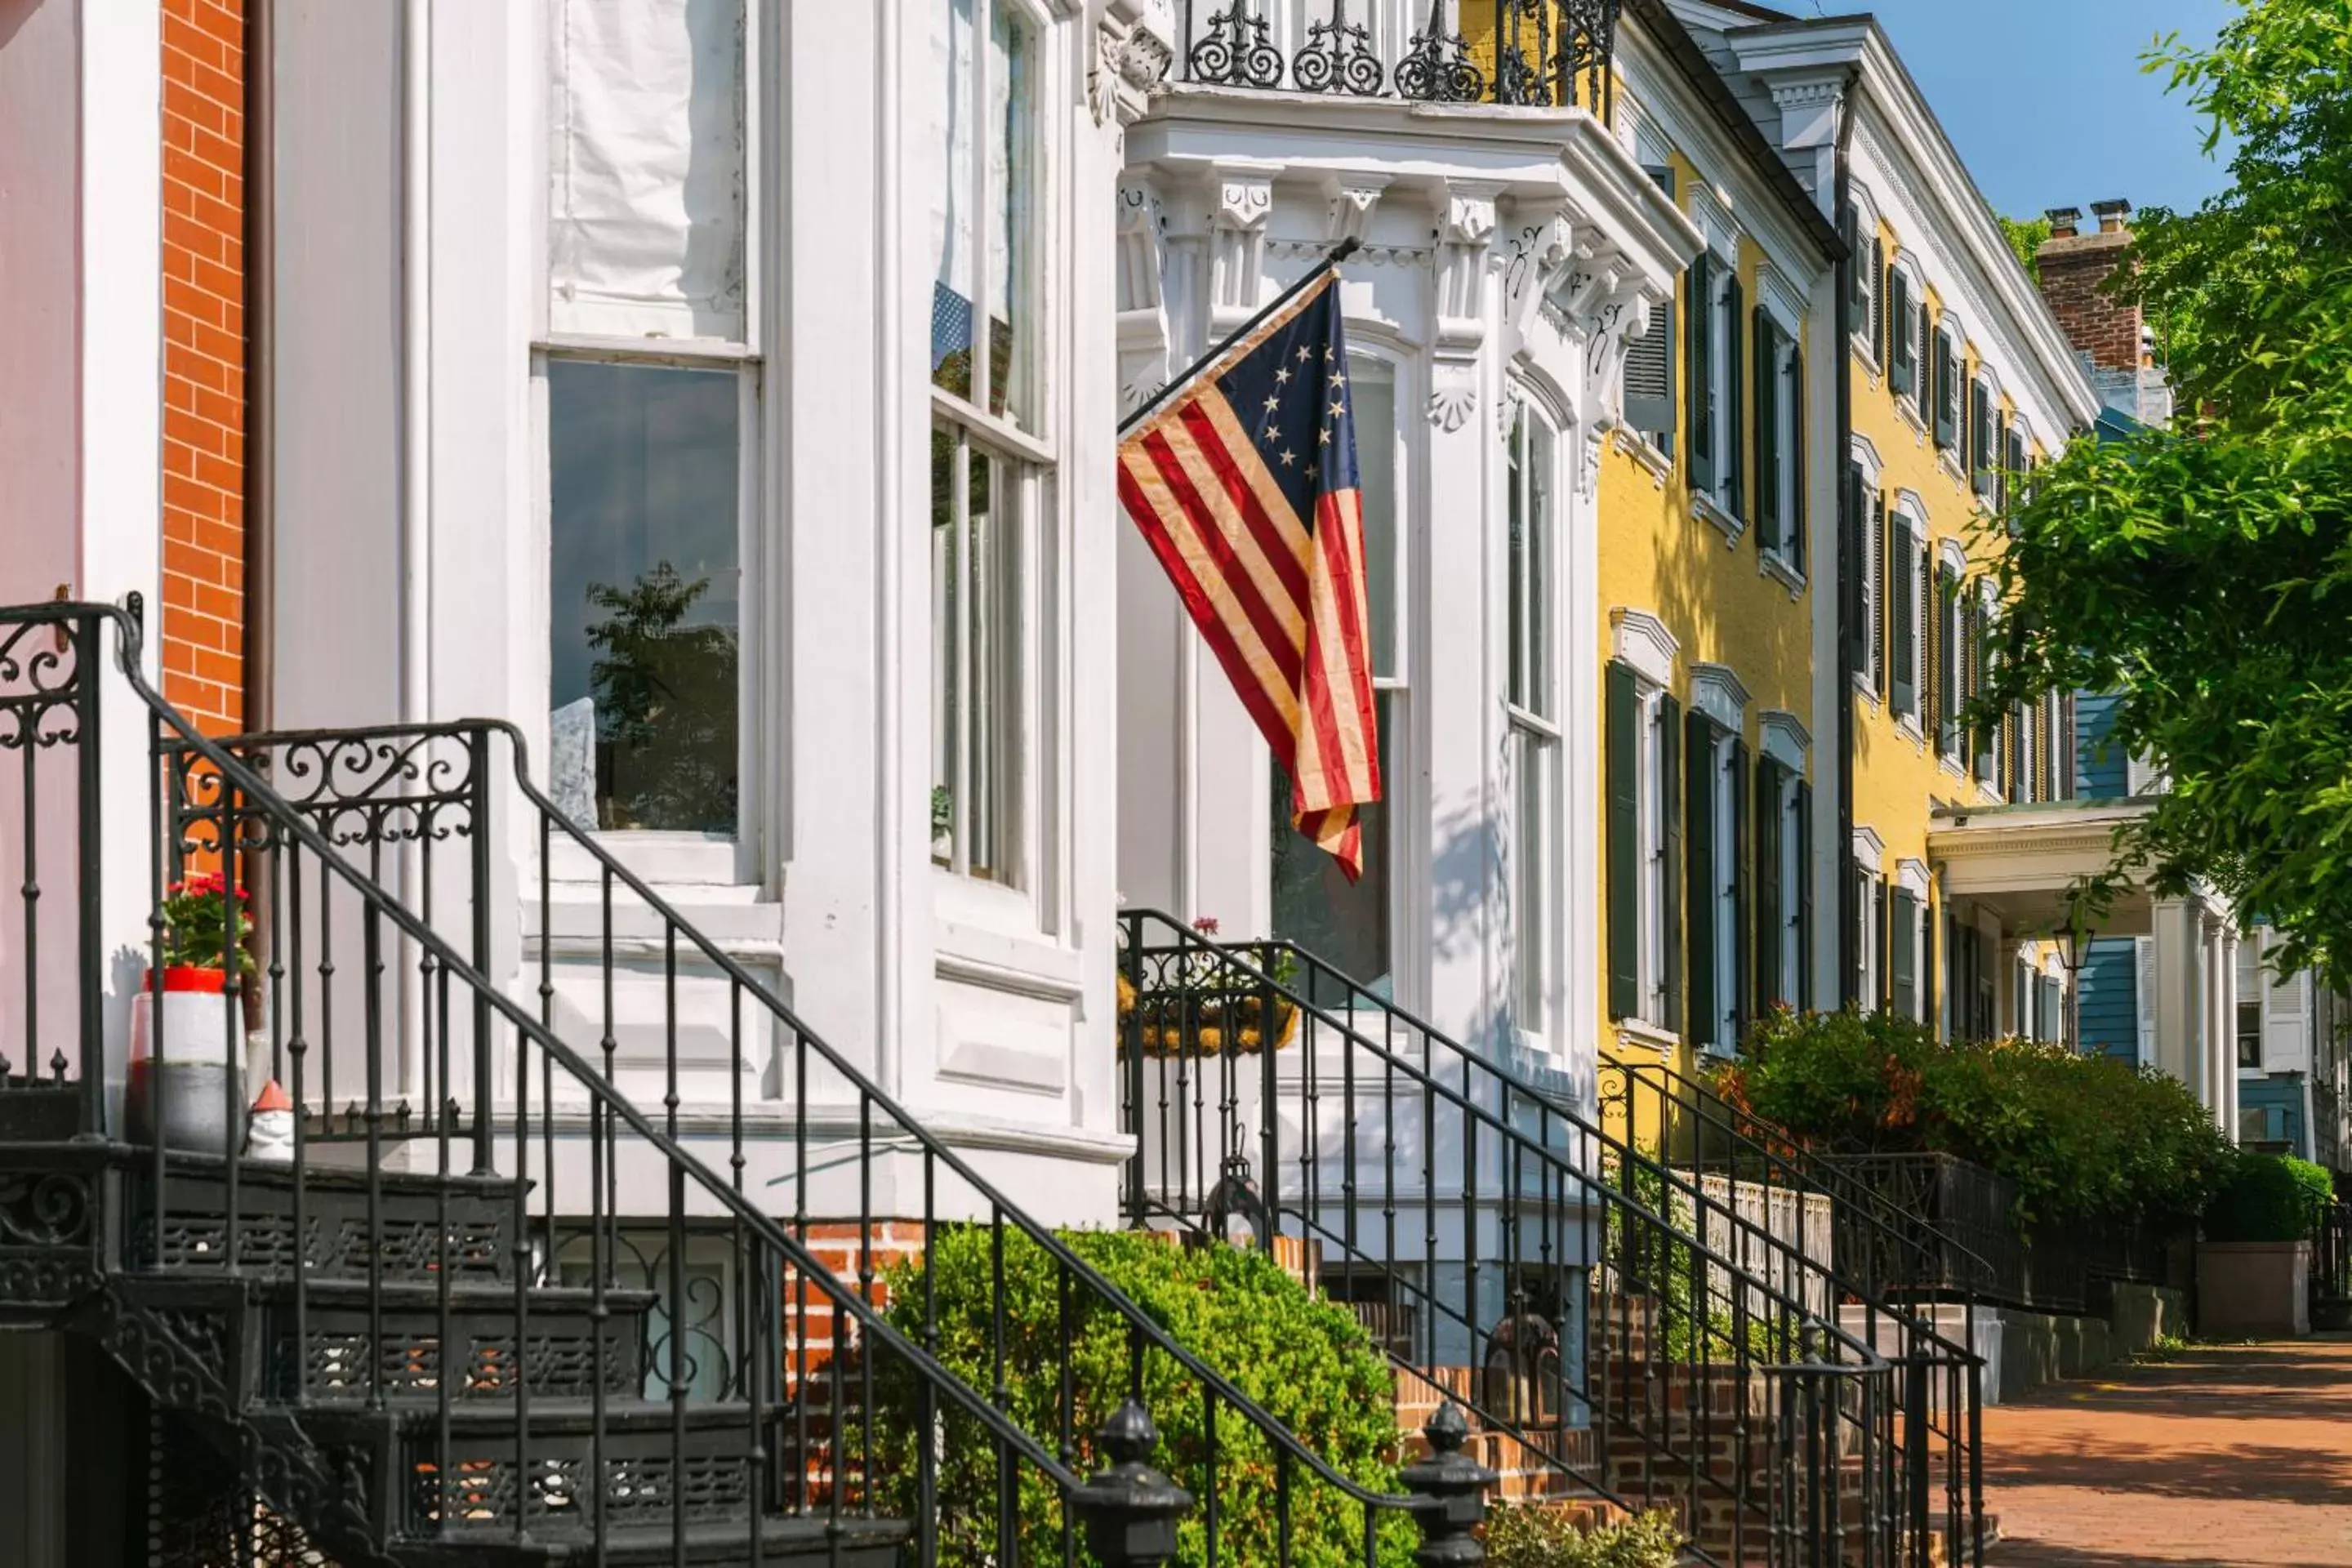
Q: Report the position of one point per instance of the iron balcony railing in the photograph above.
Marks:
(1631, 1325)
(530, 1205)
(1552, 54)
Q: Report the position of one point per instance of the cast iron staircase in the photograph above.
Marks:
(515, 1298)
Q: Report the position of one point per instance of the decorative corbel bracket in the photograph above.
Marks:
(1463, 260)
(1240, 201)
(1129, 58)
(1539, 245)
(1142, 319)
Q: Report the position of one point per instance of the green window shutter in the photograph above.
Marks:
(1979, 667)
(1768, 914)
(1794, 525)
(1735, 463)
(1698, 812)
(1856, 567)
(1670, 874)
(1903, 934)
(1922, 589)
(1878, 614)
(1904, 605)
(1698, 334)
(1650, 380)
(1735, 779)
(1877, 322)
(1804, 997)
(1767, 509)
(1856, 291)
(1902, 372)
(1624, 722)
(1948, 668)
(1947, 392)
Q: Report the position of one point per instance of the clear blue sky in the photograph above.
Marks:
(2045, 99)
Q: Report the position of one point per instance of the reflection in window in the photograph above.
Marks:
(1528, 466)
(644, 585)
(984, 213)
(975, 534)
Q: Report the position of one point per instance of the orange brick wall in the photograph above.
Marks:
(204, 360)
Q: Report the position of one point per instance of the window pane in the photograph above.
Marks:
(954, 217)
(1315, 906)
(1374, 382)
(976, 642)
(644, 585)
(1011, 196)
(1531, 551)
(1530, 869)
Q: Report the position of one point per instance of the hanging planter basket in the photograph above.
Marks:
(1206, 1023)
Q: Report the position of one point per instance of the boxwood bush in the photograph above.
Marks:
(1536, 1537)
(2269, 1197)
(2082, 1137)
(1306, 1362)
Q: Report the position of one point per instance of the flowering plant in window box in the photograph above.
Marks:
(1203, 1000)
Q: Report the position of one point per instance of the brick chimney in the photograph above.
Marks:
(2074, 265)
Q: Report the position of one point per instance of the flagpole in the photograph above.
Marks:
(1339, 252)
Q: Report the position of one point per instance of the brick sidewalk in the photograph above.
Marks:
(2237, 1457)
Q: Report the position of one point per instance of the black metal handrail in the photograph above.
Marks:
(1555, 53)
(1547, 1173)
(810, 1356)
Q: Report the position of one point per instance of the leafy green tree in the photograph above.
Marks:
(2204, 573)
(2025, 236)
(664, 692)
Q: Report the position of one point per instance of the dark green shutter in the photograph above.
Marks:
(1670, 874)
(1928, 928)
(1980, 670)
(1878, 612)
(1856, 566)
(1902, 374)
(1769, 916)
(1901, 580)
(1804, 996)
(1948, 664)
(1767, 509)
(1650, 380)
(1698, 811)
(1924, 587)
(1624, 721)
(1735, 321)
(1698, 334)
(1742, 888)
(1946, 390)
(1903, 935)
(1876, 325)
(1794, 525)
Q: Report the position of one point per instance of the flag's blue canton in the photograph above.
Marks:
(1291, 394)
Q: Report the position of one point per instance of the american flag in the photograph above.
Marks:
(1245, 486)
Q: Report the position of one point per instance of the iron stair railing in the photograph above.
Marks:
(808, 1371)
(1538, 1192)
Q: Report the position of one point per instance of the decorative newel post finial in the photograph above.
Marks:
(1130, 1508)
(1450, 1488)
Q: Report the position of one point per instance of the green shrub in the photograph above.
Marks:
(1307, 1363)
(2081, 1137)
(2268, 1197)
(1525, 1537)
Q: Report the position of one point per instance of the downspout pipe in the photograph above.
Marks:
(260, 242)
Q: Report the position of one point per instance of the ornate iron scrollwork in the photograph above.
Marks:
(1235, 52)
(1519, 70)
(40, 682)
(1436, 66)
(43, 1210)
(1588, 40)
(1339, 57)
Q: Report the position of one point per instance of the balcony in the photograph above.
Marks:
(1542, 54)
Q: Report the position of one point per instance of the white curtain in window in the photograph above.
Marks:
(954, 213)
(647, 168)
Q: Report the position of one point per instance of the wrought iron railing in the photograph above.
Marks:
(511, 1272)
(2331, 1265)
(2059, 1266)
(1634, 1328)
(1555, 53)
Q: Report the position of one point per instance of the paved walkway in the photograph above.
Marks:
(2237, 1457)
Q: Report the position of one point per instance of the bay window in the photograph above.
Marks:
(1530, 464)
(991, 475)
(648, 380)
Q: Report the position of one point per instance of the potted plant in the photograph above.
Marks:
(1205, 1004)
(205, 926)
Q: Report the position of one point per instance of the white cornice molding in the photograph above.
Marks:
(1981, 267)
(1869, 849)
(1865, 452)
(1784, 738)
(1907, 504)
(1717, 692)
(1911, 876)
(1642, 641)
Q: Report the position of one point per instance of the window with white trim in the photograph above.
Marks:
(1724, 910)
(1532, 553)
(1870, 899)
(648, 377)
(1655, 784)
(1716, 333)
(990, 473)
(1352, 924)
(1779, 423)
(1907, 547)
(1793, 836)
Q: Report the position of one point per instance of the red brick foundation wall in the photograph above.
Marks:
(203, 613)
